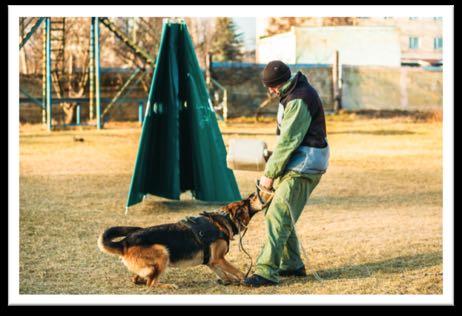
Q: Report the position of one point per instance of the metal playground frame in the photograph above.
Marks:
(53, 56)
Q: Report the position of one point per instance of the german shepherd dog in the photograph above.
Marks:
(147, 252)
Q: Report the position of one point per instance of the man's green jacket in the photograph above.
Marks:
(288, 154)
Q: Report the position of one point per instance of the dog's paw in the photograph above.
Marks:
(223, 282)
(229, 282)
(170, 286)
(138, 280)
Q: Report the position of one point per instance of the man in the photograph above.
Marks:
(298, 161)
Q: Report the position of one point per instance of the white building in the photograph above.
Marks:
(421, 38)
(357, 45)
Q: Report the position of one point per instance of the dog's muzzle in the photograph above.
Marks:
(264, 201)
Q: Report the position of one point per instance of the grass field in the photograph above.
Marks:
(372, 226)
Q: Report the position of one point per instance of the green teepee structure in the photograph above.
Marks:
(181, 147)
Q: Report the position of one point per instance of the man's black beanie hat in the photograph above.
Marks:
(275, 73)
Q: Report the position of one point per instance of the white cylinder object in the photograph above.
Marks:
(247, 154)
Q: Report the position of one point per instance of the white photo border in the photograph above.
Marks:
(447, 12)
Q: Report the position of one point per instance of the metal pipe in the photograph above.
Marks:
(97, 74)
(140, 112)
(77, 115)
(225, 105)
(44, 74)
(92, 70)
(121, 91)
(31, 98)
(117, 32)
(31, 32)
(79, 100)
(48, 73)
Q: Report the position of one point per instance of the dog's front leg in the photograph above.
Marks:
(223, 277)
(219, 265)
(232, 270)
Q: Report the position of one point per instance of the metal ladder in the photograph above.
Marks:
(58, 42)
(140, 52)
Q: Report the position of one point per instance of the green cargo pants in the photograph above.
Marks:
(281, 250)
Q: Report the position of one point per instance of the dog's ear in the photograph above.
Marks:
(233, 208)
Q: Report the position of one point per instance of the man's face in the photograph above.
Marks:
(273, 91)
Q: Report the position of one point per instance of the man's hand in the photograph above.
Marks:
(266, 182)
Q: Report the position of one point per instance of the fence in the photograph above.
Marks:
(363, 87)
(126, 108)
(246, 91)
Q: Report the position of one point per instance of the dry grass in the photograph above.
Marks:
(373, 225)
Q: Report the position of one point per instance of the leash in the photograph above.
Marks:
(241, 237)
(241, 248)
(259, 188)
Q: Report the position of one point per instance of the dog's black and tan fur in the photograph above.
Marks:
(147, 252)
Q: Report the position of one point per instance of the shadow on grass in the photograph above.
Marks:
(179, 206)
(393, 265)
(378, 132)
(374, 200)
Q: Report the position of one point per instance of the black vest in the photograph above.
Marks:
(205, 232)
(301, 89)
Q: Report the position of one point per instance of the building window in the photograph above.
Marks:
(438, 43)
(413, 42)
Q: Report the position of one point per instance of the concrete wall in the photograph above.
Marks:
(375, 88)
(391, 88)
(246, 92)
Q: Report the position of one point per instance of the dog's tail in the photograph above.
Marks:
(106, 243)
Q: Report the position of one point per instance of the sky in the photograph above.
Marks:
(247, 26)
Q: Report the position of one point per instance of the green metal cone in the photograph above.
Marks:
(181, 147)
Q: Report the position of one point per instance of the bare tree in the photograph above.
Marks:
(201, 31)
(278, 25)
(31, 52)
(72, 79)
(337, 21)
(144, 32)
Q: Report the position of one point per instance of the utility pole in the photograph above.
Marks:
(337, 82)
